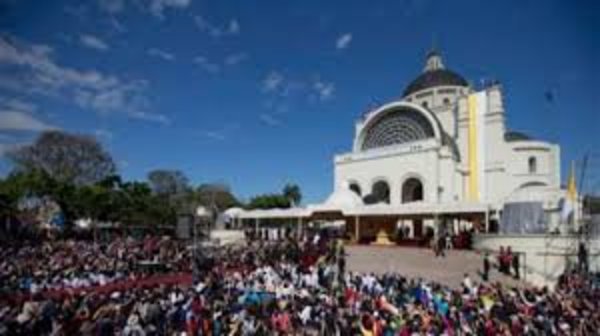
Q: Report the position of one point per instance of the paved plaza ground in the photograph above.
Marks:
(420, 263)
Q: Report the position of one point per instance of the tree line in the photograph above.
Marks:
(80, 176)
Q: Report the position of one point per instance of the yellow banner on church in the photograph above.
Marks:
(477, 108)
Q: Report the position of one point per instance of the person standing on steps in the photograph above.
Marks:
(439, 246)
(516, 265)
(582, 255)
(486, 267)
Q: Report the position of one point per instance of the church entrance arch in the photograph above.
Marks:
(412, 191)
(355, 187)
(381, 192)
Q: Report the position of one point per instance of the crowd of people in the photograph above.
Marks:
(289, 287)
(66, 264)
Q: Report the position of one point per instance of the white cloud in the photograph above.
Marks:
(19, 115)
(117, 25)
(18, 105)
(155, 7)
(215, 67)
(93, 42)
(152, 117)
(220, 134)
(207, 65)
(214, 135)
(272, 82)
(32, 70)
(236, 58)
(323, 89)
(103, 133)
(125, 95)
(343, 41)
(20, 121)
(216, 31)
(165, 55)
(269, 119)
(234, 27)
(281, 90)
(112, 6)
(5, 148)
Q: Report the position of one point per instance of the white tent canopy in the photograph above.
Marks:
(274, 213)
(408, 209)
(341, 199)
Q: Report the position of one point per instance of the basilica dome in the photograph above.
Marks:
(434, 74)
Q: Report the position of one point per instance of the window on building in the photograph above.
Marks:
(424, 104)
(424, 94)
(356, 188)
(532, 165)
(446, 91)
(446, 101)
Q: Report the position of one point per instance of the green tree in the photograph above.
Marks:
(172, 187)
(140, 206)
(166, 182)
(269, 201)
(217, 196)
(66, 158)
(292, 193)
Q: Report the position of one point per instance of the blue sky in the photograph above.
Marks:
(260, 93)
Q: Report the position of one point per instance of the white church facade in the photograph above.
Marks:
(440, 158)
(443, 142)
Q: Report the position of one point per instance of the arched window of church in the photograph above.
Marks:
(381, 192)
(532, 165)
(397, 127)
(424, 104)
(356, 188)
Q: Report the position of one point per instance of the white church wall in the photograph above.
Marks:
(495, 148)
(394, 169)
(449, 180)
(507, 164)
(546, 164)
(446, 118)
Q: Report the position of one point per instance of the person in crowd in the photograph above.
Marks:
(501, 260)
(516, 266)
(508, 260)
(467, 284)
(449, 244)
(582, 257)
(486, 267)
(441, 246)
